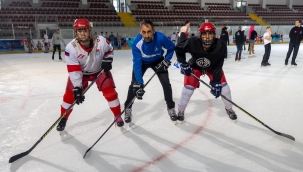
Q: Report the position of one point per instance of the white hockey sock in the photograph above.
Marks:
(227, 93)
(187, 92)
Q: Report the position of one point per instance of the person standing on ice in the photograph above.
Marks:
(185, 29)
(295, 35)
(208, 55)
(148, 53)
(86, 56)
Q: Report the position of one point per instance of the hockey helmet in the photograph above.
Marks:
(81, 23)
(210, 28)
(207, 27)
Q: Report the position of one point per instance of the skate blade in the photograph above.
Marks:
(175, 122)
(132, 125)
(62, 133)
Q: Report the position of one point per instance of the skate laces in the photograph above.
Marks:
(172, 112)
(128, 112)
(181, 113)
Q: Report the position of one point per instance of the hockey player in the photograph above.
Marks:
(208, 55)
(147, 53)
(85, 58)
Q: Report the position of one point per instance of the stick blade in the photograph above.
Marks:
(287, 136)
(16, 157)
(86, 152)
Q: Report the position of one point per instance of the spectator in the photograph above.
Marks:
(185, 28)
(224, 36)
(119, 38)
(239, 36)
(39, 45)
(45, 41)
(106, 36)
(173, 38)
(29, 42)
(12, 46)
(112, 39)
(244, 40)
(252, 35)
(267, 40)
(57, 37)
(295, 36)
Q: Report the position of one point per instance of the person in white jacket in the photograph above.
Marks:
(86, 56)
(57, 37)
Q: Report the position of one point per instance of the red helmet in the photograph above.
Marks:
(81, 23)
(207, 27)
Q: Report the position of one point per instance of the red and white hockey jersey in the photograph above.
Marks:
(81, 61)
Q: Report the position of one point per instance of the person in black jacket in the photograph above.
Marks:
(244, 40)
(207, 58)
(295, 36)
(252, 34)
(224, 36)
(239, 36)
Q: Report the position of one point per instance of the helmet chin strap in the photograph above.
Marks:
(83, 41)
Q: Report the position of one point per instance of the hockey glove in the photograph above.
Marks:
(163, 66)
(217, 88)
(138, 90)
(79, 98)
(185, 69)
(107, 64)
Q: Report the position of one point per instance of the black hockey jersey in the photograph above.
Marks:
(210, 60)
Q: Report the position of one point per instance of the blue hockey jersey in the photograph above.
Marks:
(150, 52)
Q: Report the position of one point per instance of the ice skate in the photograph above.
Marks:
(286, 62)
(181, 115)
(62, 124)
(172, 114)
(231, 113)
(119, 121)
(128, 115)
(294, 63)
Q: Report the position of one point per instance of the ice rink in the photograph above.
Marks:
(31, 90)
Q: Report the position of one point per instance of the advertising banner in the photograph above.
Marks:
(11, 45)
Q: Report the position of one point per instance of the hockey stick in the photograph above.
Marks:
(18, 156)
(276, 132)
(130, 103)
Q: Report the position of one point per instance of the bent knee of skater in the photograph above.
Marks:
(190, 87)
